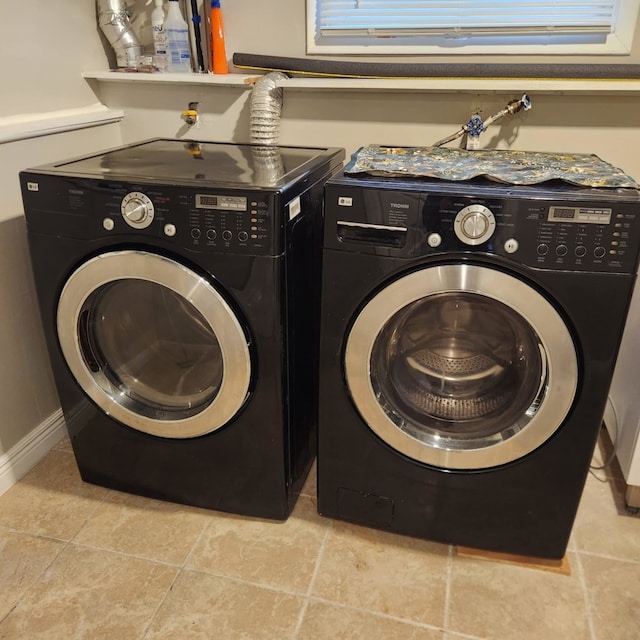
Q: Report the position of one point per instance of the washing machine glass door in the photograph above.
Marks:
(154, 344)
(461, 366)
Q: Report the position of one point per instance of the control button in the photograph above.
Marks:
(474, 224)
(170, 230)
(581, 251)
(137, 210)
(511, 245)
(227, 235)
(108, 224)
(212, 234)
(542, 249)
(613, 252)
(434, 240)
(616, 234)
(614, 243)
(599, 252)
(243, 236)
(196, 233)
(561, 250)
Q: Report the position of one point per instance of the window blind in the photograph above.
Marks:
(473, 17)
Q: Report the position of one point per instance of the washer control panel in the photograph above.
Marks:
(598, 235)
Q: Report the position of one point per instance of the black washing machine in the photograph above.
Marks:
(468, 338)
(178, 287)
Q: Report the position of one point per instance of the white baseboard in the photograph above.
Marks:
(30, 450)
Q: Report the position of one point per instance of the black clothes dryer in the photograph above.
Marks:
(178, 287)
(468, 337)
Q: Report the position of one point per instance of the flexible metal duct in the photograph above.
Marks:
(265, 109)
(114, 22)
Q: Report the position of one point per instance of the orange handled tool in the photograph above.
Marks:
(218, 51)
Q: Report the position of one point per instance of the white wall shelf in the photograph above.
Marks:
(429, 85)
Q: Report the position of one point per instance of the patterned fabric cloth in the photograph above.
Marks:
(506, 166)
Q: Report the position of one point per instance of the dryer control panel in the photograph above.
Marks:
(202, 219)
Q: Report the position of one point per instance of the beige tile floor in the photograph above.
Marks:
(84, 562)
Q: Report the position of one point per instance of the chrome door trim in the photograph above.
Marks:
(124, 265)
(559, 348)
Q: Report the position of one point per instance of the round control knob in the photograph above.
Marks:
(511, 245)
(434, 240)
(581, 251)
(542, 249)
(211, 234)
(561, 250)
(474, 224)
(243, 236)
(137, 210)
(227, 235)
(599, 252)
(108, 224)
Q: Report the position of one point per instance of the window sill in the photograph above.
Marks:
(428, 85)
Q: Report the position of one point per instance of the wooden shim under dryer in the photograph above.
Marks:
(546, 564)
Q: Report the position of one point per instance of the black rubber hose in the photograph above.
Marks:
(343, 69)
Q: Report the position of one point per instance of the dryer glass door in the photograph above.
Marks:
(461, 366)
(154, 344)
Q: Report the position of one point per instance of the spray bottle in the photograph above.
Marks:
(178, 46)
(159, 36)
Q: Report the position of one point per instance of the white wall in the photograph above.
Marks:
(45, 46)
(605, 125)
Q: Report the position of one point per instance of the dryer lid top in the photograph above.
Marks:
(180, 161)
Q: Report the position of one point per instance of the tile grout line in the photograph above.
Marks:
(38, 578)
(101, 502)
(585, 595)
(312, 582)
(179, 572)
(447, 591)
(387, 616)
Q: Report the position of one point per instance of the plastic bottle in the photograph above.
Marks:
(218, 51)
(178, 45)
(159, 36)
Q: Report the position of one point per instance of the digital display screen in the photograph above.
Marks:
(580, 215)
(566, 214)
(226, 203)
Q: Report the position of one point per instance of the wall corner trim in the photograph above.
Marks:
(30, 450)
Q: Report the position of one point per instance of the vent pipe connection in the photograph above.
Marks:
(113, 20)
(266, 109)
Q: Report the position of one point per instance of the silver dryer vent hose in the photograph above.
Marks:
(113, 19)
(265, 109)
